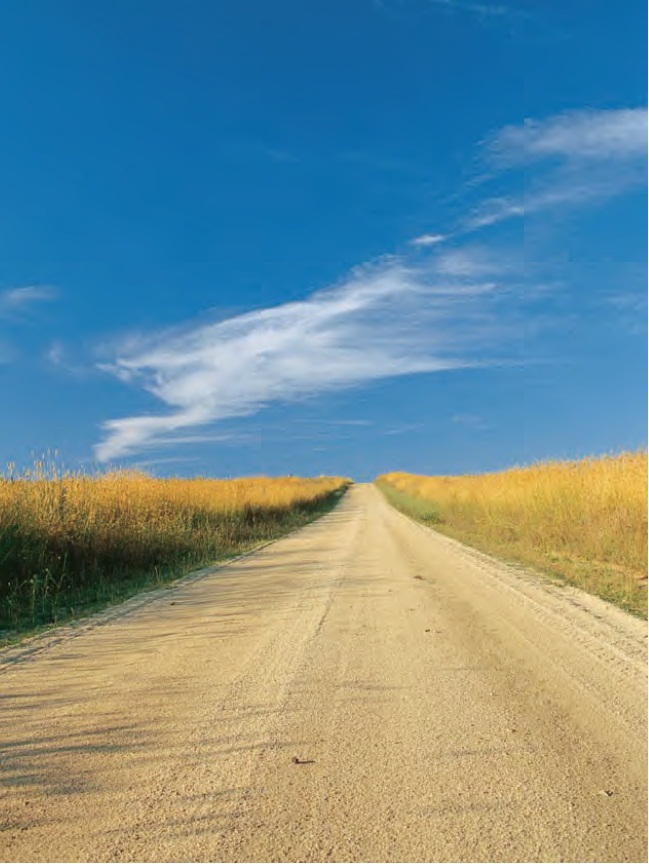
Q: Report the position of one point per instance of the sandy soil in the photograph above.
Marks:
(441, 706)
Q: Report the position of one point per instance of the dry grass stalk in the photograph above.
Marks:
(583, 521)
(69, 539)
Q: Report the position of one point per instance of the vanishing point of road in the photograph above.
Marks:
(362, 690)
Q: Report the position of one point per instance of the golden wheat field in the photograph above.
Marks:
(71, 539)
(584, 521)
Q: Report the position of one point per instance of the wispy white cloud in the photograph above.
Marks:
(476, 262)
(403, 429)
(17, 301)
(428, 240)
(60, 356)
(630, 310)
(492, 211)
(204, 439)
(17, 307)
(443, 307)
(629, 302)
(569, 160)
(384, 321)
(617, 135)
(482, 9)
(55, 354)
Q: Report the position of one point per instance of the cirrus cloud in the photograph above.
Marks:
(431, 310)
(576, 157)
(17, 301)
(383, 321)
(617, 134)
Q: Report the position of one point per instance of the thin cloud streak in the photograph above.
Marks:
(384, 321)
(575, 135)
(579, 157)
(428, 240)
(492, 211)
(484, 9)
(16, 301)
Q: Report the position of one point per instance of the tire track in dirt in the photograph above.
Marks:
(440, 706)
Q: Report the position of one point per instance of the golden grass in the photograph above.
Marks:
(73, 539)
(583, 521)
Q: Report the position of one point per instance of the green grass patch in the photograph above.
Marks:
(412, 506)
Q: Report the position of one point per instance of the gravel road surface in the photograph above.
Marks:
(363, 690)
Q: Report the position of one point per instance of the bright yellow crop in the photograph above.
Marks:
(139, 502)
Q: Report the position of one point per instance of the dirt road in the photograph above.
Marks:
(440, 707)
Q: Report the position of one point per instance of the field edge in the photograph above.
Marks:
(145, 585)
(427, 515)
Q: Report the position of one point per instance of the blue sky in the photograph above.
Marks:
(344, 237)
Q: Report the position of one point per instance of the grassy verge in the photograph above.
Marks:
(74, 545)
(581, 523)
